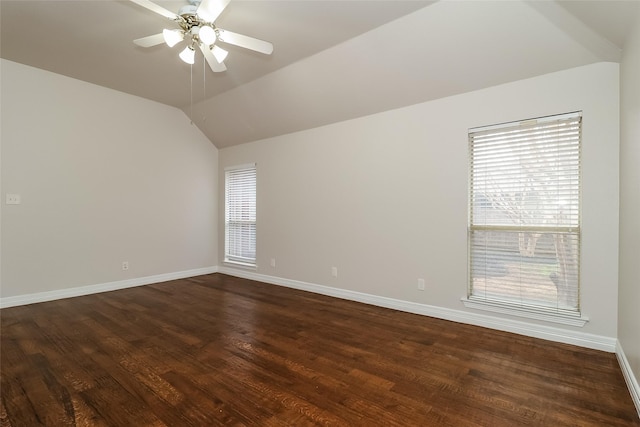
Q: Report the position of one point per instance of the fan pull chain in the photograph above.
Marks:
(191, 92)
(204, 86)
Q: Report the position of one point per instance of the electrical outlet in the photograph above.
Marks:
(125, 265)
(273, 262)
(334, 271)
(421, 284)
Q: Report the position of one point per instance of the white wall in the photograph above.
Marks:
(104, 177)
(629, 301)
(384, 197)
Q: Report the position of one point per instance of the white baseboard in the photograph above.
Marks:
(102, 287)
(629, 377)
(550, 333)
(503, 324)
(581, 339)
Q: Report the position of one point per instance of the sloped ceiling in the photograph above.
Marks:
(333, 60)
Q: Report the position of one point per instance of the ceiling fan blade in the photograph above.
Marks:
(215, 66)
(245, 41)
(155, 8)
(149, 41)
(209, 10)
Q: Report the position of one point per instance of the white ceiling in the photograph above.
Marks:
(333, 60)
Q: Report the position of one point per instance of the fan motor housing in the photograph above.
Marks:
(189, 17)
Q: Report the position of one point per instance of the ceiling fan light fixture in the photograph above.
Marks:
(199, 31)
(219, 53)
(188, 55)
(207, 35)
(172, 37)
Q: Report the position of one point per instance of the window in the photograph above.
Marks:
(524, 215)
(240, 215)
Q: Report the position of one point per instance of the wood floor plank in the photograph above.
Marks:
(219, 350)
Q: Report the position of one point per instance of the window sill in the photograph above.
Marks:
(238, 264)
(530, 313)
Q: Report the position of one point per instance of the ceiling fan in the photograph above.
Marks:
(196, 22)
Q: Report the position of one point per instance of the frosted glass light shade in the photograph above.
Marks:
(188, 55)
(207, 35)
(219, 53)
(172, 37)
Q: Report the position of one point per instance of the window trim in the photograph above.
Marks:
(233, 260)
(568, 318)
(555, 315)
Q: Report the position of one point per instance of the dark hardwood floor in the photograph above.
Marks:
(218, 350)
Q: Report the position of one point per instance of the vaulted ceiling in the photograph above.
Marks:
(333, 60)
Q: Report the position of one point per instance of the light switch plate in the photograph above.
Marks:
(13, 199)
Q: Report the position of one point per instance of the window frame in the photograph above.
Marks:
(503, 305)
(230, 256)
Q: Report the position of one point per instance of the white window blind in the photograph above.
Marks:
(524, 214)
(240, 215)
